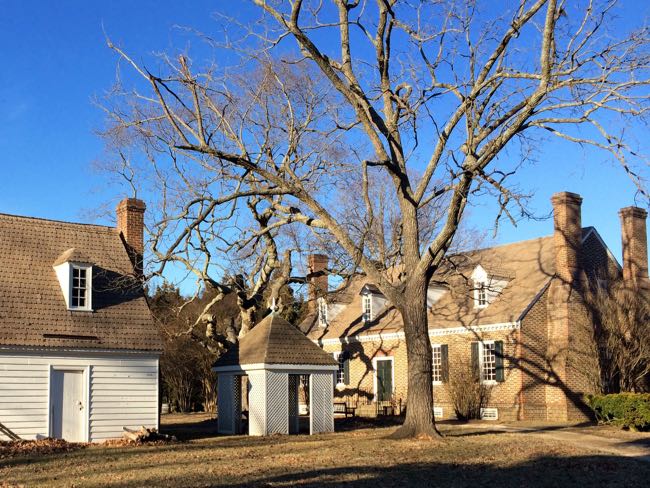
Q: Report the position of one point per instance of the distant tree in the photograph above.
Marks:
(437, 98)
(622, 316)
(186, 364)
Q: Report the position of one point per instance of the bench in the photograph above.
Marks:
(343, 409)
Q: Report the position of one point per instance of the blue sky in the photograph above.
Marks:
(54, 60)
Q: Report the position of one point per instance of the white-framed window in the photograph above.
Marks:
(488, 362)
(80, 286)
(342, 357)
(480, 294)
(322, 312)
(437, 364)
(366, 304)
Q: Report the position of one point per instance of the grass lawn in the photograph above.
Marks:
(362, 457)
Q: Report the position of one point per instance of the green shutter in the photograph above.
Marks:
(346, 367)
(475, 365)
(498, 353)
(444, 362)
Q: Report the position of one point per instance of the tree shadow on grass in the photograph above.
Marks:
(547, 471)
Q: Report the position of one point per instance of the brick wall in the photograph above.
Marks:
(360, 390)
(534, 340)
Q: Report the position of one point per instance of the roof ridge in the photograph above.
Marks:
(271, 317)
(56, 221)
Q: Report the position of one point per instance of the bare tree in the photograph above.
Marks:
(427, 95)
(622, 315)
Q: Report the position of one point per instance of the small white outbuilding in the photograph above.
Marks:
(265, 378)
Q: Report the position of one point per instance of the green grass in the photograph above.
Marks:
(361, 457)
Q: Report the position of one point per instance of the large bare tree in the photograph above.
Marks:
(331, 97)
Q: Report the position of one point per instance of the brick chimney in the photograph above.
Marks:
(317, 277)
(567, 236)
(635, 246)
(130, 223)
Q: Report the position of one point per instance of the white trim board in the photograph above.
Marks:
(289, 368)
(72, 351)
(432, 333)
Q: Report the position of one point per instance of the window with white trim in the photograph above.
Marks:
(366, 302)
(480, 290)
(80, 287)
(488, 362)
(342, 358)
(437, 363)
(322, 312)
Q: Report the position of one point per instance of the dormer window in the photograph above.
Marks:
(366, 303)
(481, 294)
(79, 288)
(322, 312)
(75, 274)
(488, 285)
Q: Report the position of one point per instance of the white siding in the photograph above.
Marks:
(123, 391)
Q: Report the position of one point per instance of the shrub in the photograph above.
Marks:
(468, 394)
(628, 410)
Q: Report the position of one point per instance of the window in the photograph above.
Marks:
(80, 297)
(367, 307)
(322, 312)
(440, 363)
(343, 373)
(437, 364)
(487, 361)
(481, 294)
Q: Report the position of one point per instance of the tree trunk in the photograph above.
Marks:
(419, 421)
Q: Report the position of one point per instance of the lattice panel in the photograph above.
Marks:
(225, 404)
(236, 404)
(257, 403)
(277, 403)
(294, 411)
(322, 409)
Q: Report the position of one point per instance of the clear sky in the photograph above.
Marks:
(54, 60)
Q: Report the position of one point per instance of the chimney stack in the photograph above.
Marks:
(317, 277)
(635, 246)
(130, 223)
(567, 236)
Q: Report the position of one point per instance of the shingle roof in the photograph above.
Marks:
(33, 312)
(275, 341)
(527, 266)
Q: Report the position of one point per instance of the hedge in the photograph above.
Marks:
(628, 410)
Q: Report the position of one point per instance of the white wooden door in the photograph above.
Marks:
(67, 405)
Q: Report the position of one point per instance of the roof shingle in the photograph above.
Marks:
(275, 341)
(33, 312)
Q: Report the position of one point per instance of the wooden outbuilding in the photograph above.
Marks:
(263, 381)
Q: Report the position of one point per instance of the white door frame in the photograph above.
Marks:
(374, 373)
(85, 380)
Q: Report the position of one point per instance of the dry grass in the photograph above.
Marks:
(361, 457)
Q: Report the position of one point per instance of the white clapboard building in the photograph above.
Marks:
(78, 347)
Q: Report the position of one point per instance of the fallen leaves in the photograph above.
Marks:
(12, 449)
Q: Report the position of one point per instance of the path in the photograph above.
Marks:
(639, 449)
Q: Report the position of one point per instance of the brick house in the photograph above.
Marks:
(514, 313)
(79, 351)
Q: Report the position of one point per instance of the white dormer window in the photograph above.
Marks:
(480, 291)
(322, 312)
(75, 274)
(80, 294)
(366, 305)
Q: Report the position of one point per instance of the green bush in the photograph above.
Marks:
(628, 410)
